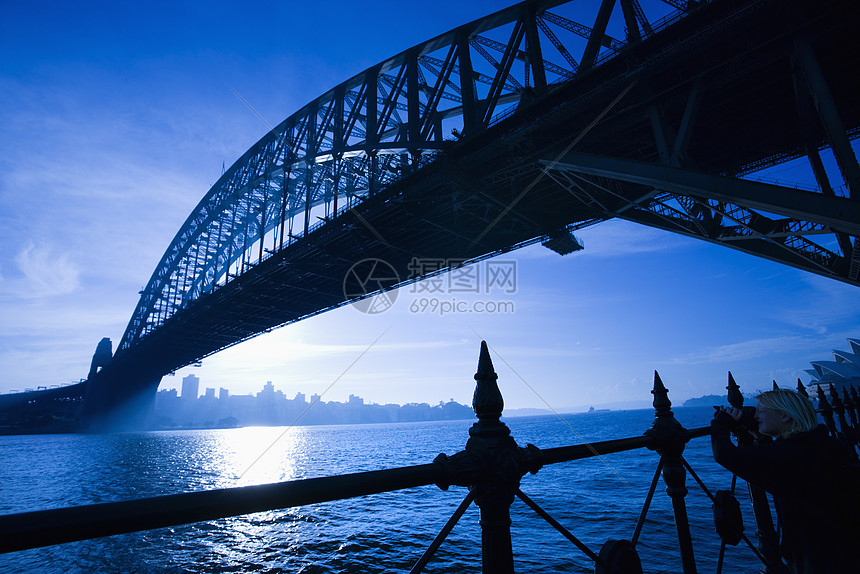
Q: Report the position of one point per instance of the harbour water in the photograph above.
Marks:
(596, 499)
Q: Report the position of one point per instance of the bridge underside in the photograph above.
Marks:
(660, 135)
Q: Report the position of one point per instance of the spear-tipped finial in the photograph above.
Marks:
(487, 401)
(668, 436)
(485, 364)
(826, 410)
(662, 404)
(823, 403)
(846, 398)
(801, 389)
(835, 400)
(735, 398)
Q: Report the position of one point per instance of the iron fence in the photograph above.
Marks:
(491, 466)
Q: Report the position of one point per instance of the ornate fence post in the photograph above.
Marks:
(768, 541)
(491, 466)
(850, 405)
(851, 409)
(839, 410)
(490, 439)
(669, 439)
(826, 411)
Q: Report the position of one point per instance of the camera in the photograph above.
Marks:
(748, 418)
(747, 421)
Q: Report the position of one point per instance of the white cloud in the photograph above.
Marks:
(744, 350)
(825, 307)
(46, 273)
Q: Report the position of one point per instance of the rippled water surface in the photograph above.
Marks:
(596, 499)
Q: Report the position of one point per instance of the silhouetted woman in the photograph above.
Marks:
(808, 473)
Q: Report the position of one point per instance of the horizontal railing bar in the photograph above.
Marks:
(57, 526)
(40, 528)
(579, 451)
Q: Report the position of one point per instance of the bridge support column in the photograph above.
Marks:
(118, 400)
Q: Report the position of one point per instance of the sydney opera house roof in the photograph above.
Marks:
(843, 370)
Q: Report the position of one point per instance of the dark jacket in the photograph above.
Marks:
(812, 478)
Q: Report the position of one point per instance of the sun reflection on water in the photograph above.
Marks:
(260, 455)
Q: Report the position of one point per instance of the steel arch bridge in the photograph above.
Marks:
(517, 128)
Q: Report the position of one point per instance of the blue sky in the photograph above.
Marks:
(116, 118)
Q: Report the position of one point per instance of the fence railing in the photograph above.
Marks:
(491, 466)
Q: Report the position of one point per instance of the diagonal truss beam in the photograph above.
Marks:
(771, 221)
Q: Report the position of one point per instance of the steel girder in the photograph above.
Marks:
(808, 107)
(376, 128)
(771, 221)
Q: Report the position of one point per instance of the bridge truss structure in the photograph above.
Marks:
(523, 127)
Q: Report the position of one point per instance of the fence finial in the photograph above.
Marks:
(487, 401)
(662, 404)
(801, 389)
(838, 407)
(735, 397)
(826, 410)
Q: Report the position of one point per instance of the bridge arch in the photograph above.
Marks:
(450, 135)
(373, 129)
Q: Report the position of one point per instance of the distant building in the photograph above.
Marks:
(210, 393)
(300, 398)
(842, 372)
(355, 400)
(267, 392)
(190, 387)
(223, 394)
(166, 399)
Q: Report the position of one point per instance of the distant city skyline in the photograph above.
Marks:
(271, 407)
(190, 389)
(111, 138)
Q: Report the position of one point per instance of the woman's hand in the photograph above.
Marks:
(729, 418)
(733, 412)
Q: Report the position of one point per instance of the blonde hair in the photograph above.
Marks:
(798, 408)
